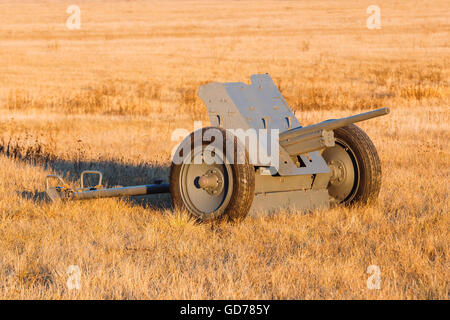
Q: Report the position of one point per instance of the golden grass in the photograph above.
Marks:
(108, 97)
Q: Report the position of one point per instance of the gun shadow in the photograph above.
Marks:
(114, 174)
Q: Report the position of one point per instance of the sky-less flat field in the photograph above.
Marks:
(109, 95)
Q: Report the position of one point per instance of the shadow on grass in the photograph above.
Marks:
(37, 196)
(114, 174)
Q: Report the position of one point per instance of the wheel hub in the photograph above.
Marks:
(338, 172)
(211, 182)
(343, 172)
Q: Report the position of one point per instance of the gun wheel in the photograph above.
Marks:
(355, 167)
(212, 191)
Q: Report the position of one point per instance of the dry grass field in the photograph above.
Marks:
(109, 95)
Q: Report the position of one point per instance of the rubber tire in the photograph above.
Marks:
(368, 161)
(243, 176)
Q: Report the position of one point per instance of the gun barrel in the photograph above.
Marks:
(332, 124)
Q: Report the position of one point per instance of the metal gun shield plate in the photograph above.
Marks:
(258, 105)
